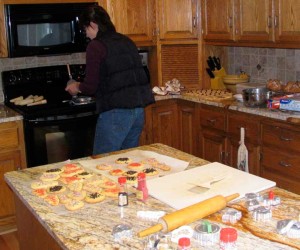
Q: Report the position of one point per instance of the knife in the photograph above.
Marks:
(211, 65)
(210, 73)
(217, 62)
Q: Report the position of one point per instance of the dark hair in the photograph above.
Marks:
(98, 15)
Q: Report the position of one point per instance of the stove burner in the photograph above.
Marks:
(82, 100)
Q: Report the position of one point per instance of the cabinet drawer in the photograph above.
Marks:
(213, 118)
(281, 163)
(281, 137)
(252, 127)
(9, 136)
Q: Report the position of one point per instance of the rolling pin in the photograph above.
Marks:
(189, 214)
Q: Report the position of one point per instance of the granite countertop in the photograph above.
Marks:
(91, 227)
(8, 115)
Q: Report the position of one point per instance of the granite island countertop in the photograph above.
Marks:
(91, 227)
(8, 115)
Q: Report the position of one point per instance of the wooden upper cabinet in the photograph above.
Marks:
(178, 19)
(287, 21)
(134, 18)
(254, 21)
(218, 20)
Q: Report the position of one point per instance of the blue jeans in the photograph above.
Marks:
(118, 129)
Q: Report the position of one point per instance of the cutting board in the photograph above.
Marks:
(179, 190)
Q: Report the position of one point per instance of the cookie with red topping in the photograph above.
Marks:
(136, 166)
(116, 172)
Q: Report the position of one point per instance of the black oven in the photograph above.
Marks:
(44, 29)
(60, 129)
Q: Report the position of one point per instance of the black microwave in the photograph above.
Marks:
(44, 29)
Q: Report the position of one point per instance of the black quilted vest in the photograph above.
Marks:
(123, 81)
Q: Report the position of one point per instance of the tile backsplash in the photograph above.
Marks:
(265, 63)
(31, 62)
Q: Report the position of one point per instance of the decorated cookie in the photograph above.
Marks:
(84, 175)
(52, 199)
(123, 160)
(94, 197)
(135, 166)
(104, 166)
(150, 171)
(73, 205)
(56, 189)
(54, 170)
(49, 177)
(77, 195)
(42, 184)
(41, 192)
(116, 172)
(130, 173)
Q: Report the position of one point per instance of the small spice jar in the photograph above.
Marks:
(123, 195)
(228, 237)
(142, 190)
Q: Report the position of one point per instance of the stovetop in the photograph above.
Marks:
(49, 82)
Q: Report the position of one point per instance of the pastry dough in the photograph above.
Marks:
(41, 184)
(74, 205)
(116, 172)
(150, 171)
(41, 192)
(123, 160)
(94, 197)
(54, 170)
(135, 166)
(52, 199)
(77, 195)
(104, 166)
(56, 189)
(49, 177)
(111, 192)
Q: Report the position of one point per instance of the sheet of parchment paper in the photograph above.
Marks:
(136, 156)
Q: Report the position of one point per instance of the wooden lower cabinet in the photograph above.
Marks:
(212, 134)
(280, 154)
(188, 126)
(12, 157)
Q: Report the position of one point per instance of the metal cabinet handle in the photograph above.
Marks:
(284, 164)
(194, 22)
(211, 121)
(285, 138)
(230, 22)
(269, 22)
(276, 21)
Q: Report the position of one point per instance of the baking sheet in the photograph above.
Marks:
(178, 190)
(136, 156)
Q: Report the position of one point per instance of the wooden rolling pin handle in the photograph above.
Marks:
(151, 230)
(231, 197)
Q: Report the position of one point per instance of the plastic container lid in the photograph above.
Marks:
(184, 242)
(228, 235)
(122, 180)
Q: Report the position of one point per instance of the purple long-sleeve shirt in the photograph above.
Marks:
(95, 54)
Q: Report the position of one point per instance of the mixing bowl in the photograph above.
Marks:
(256, 97)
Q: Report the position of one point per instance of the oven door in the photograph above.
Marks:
(58, 139)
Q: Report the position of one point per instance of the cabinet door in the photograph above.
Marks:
(9, 161)
(133, 18)
(212, 145)
(254, 20)
(287, 21)
(188, 126)
(253, 156)
(165, 124)
(218, 20)
(178, 19)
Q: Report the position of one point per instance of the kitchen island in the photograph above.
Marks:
(40, 226)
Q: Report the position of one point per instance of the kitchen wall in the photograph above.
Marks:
(265, 63)
(30, 62)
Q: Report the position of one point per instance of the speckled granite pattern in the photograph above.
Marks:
(91, 227)
(8, 115)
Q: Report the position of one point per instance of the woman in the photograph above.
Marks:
(116, 77)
